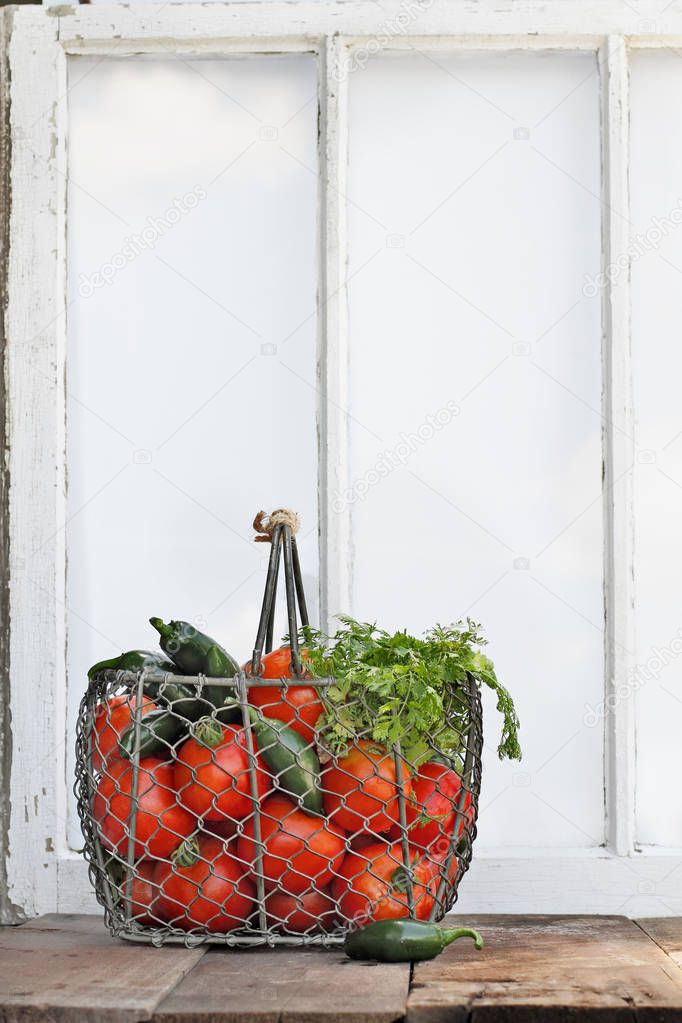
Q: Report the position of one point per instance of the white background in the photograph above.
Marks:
(474, 223)
(656, 184)
(191, 374)
(473, 218)
(473, 295)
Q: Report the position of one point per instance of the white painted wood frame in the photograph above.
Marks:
(44, 874)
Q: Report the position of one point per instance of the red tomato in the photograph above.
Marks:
(432, 806)
(365, 838)
(144, 892)
(226, 829)
(360, 793)
(211, 891)
(277, 664)
(111, 720)
(298, 848)
(370, 884)
(297, 705)
(315, 910)
(213, 780)
(160, 823)
(437, 858)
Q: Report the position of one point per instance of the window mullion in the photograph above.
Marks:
(335, 577)
(619, 446)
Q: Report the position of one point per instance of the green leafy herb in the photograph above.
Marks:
(398, 688)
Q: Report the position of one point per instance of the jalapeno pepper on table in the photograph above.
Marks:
(404, 941)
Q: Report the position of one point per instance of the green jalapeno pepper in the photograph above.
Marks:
(159, 732)
(133, 660)
(404, 940)
(197, 654)
(291, 759)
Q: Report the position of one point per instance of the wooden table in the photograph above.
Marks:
(59, 969)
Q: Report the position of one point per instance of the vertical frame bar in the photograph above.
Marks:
(335, 579)
(35, 395)
(618, 454)
(64, 763)
(9, 914)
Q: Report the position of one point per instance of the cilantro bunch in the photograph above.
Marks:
(398, 688)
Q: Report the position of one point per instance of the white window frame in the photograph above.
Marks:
(43, 873)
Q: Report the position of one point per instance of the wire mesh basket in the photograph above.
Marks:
(212, 812)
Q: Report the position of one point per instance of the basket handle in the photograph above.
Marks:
(279, 530)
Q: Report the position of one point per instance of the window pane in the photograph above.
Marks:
(475, 396)
(656, 266)
(191, 349)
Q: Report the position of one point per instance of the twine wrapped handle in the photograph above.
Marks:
(264, 524)
(279, 529)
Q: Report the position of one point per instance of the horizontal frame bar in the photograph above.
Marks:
(569, 20)
(539, 880)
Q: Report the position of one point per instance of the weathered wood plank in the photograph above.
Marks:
(283, 986)
(80, 974)
(538, 968)
(667, 933)
(85, 923)
(549, 967)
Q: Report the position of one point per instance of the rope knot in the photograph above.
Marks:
(264, 524)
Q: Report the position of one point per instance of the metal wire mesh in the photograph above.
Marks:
(212, 811)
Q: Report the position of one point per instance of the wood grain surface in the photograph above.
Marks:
(549, 968)
(64, 969)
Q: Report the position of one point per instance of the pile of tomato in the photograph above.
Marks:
(195, 854)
